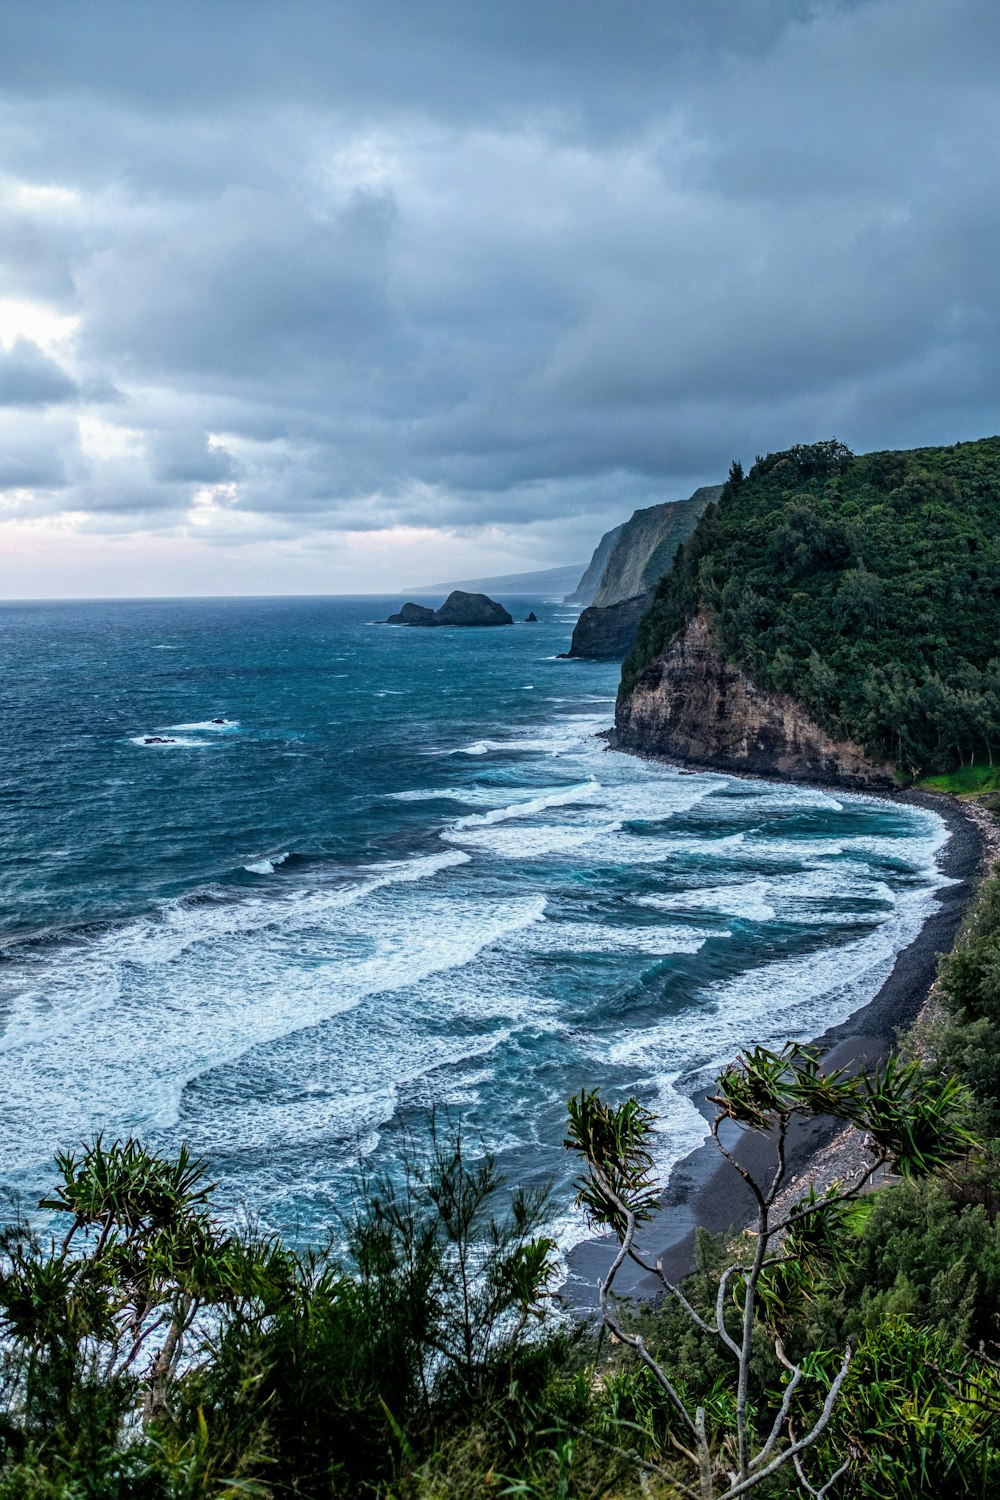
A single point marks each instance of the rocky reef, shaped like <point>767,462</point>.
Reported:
<point>691,706</point>
<point>458,609</point>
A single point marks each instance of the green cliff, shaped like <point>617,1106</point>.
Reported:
<point>830,600</point>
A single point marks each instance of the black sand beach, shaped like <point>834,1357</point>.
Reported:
<point>702,1189</point>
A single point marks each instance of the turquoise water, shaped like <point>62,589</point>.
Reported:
<point>402,871</point>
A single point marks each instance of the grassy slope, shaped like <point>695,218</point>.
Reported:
<point>967,781</point>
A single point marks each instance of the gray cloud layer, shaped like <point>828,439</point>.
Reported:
<point>501,268</point>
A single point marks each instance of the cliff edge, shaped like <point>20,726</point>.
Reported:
<point>690,705</point>
<point>645,545</point>
<point>594,572</point>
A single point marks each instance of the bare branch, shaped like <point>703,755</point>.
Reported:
<point>779,1175</point>
<point>720,1306</point>
<point>786,1402</point>
<point>810,1488</point>
<point>846,1196</point>
<point>634,1341</point>
<point>805,1442</point>
<point>679,1296</point>
<point>632,1457</point>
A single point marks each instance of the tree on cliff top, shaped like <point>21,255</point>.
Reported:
<point>886,568</point>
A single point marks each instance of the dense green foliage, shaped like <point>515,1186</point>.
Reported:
<point>152,1352</point>
<point>868,588</point>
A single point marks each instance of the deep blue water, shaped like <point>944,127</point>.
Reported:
<point>402,872</point>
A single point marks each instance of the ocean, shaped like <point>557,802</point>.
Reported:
<point>375,870</point>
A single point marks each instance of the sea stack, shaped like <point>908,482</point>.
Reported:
<point>458,609</point>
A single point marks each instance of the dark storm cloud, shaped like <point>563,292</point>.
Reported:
<point>353,266</point>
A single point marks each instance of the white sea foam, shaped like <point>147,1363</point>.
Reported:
<point>529,843</point>
<point>747,900</point>
<point>142,1043</point>
<point>570,733</point>
<point>284,1024</point>
<point>558,797</point>
<point>266,866</point>
<point>787,999</point>
<point>207,726</point>
<point>593,937</point>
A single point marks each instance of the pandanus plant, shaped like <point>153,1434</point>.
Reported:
<point>910,1126</point>
<point>142,1257</point>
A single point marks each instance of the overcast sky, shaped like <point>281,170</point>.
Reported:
<point>339,295</point>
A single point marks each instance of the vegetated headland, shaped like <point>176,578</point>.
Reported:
<point>831,619</point>
<point>832,1326</point>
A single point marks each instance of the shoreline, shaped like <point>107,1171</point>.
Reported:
<point>702,1190</point>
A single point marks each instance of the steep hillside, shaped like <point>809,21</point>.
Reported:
<point>646,543</point>
<point>641,551</point>
<point>591,580</point>
<point>861,596</point>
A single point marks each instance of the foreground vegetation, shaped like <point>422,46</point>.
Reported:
<point>867,588</point>
<point>847,1345</point>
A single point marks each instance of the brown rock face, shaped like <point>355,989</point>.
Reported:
<point>690,705</point>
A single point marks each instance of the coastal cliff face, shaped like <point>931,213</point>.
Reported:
<point>691,706</point>
<point>645,546</point>
<point>607,634</point>
<point>624,571</point>
<point>591,580</point>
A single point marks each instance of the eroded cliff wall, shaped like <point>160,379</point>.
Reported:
<point>646,544</point>
<point>591,580</point>
<point>691,706</point>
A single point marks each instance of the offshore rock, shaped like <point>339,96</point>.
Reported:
<point>458,609</point>
<point>690,705</point>
<point>607,634</point>
<point>472,609</point>
<point>413,614</point>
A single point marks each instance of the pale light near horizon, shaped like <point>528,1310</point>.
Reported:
<point>396,297</point>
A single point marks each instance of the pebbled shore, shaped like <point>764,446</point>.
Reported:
<point>702,1189</point>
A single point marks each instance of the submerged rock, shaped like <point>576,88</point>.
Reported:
<point>458,609</point>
